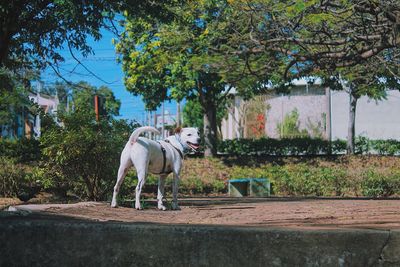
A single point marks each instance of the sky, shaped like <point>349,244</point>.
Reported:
<point>109,73</point>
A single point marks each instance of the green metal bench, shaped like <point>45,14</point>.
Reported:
<point>253,187</point>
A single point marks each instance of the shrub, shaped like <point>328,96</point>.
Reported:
<point>83,156</point>
<point>21,150</point>
<point>11,177</point>
<point>16,180</point>
<point>269,146</point>
<point>304,180</point>
<point>305,146</point>
<point>362,145</point>
<point>300,180</point>
<point>375,184</point>
<point>192,185</point>
<point>290,127</point>
<point>386,147</point>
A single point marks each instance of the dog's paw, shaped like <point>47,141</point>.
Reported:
<point>114,204</point>
<point>162,207</point>
<point>175,207</point>
<point>138,207</point>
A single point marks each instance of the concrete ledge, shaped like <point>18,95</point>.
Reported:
<point>44,240</point>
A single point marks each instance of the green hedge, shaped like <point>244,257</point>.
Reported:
<point>305,146</point>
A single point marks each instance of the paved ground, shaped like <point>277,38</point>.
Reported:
<point>291,213</point>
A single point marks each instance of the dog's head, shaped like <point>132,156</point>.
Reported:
<point>189,137</point>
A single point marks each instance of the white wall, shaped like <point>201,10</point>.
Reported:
<point>376,120</point>
<point>309,107</point>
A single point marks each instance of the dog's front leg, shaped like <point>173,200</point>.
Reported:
<point>160,194</point>
<point>175,185</point>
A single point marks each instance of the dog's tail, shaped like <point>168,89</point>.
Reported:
<point>140,130</point>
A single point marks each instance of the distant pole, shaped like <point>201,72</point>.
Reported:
<point>96,107</point>
<point>178,114</point>
<point>149,121</point>
<point>282,116</point>
<point>155,122</point>
<point>329,119</point>
<point>163,120</point>
<point>37,123</point>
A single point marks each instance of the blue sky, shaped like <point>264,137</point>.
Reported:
<point>103,64</point>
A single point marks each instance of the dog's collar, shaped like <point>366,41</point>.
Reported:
<point>177,149</point>
<point>185,147</point>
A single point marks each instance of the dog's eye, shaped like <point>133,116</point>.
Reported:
<point>189,134</point>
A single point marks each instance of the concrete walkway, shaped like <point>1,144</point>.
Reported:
<point>62,235</point>
<point>289,213</point>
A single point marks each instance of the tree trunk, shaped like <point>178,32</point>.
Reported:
<point>352,123</point>
<point>210,130</point>
<point>207,101</point>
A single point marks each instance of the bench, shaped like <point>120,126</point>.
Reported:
<point>253,187</point>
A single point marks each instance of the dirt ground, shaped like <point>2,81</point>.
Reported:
<point>266,212</point>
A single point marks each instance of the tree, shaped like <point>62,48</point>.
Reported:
<point>316,34</point>
<point>175,60</point>
<point>353,41</point>
<point>80,97</point>
<point>33,32</point>
<point>83,99</point>
<point>13,103</point>
<point>193,115</point>
<point>371,79</point>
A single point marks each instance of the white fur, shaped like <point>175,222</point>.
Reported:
<point>146,156</point>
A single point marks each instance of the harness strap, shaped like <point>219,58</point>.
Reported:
<point>180,152</point>
<point>164,159</point>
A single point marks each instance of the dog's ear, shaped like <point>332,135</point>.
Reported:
<point>178,130</point>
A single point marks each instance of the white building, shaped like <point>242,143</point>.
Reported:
<point>28,124</point>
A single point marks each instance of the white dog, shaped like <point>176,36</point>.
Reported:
<point>162,157</point>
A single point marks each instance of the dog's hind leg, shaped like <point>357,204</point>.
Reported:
<point>160,194</point>
<point>122,171</point>
<point>141,180</point>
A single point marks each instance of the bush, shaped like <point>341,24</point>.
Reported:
<point>277,147</point>
<point>192,185</point>
<point>386,147</point>
<point>16,180</point>
<point>11,177</point>
<point>305,146</point>
<point>83,156</point>
<point>307,181</point>
<point>21,150</point>
<point>379,185</point>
